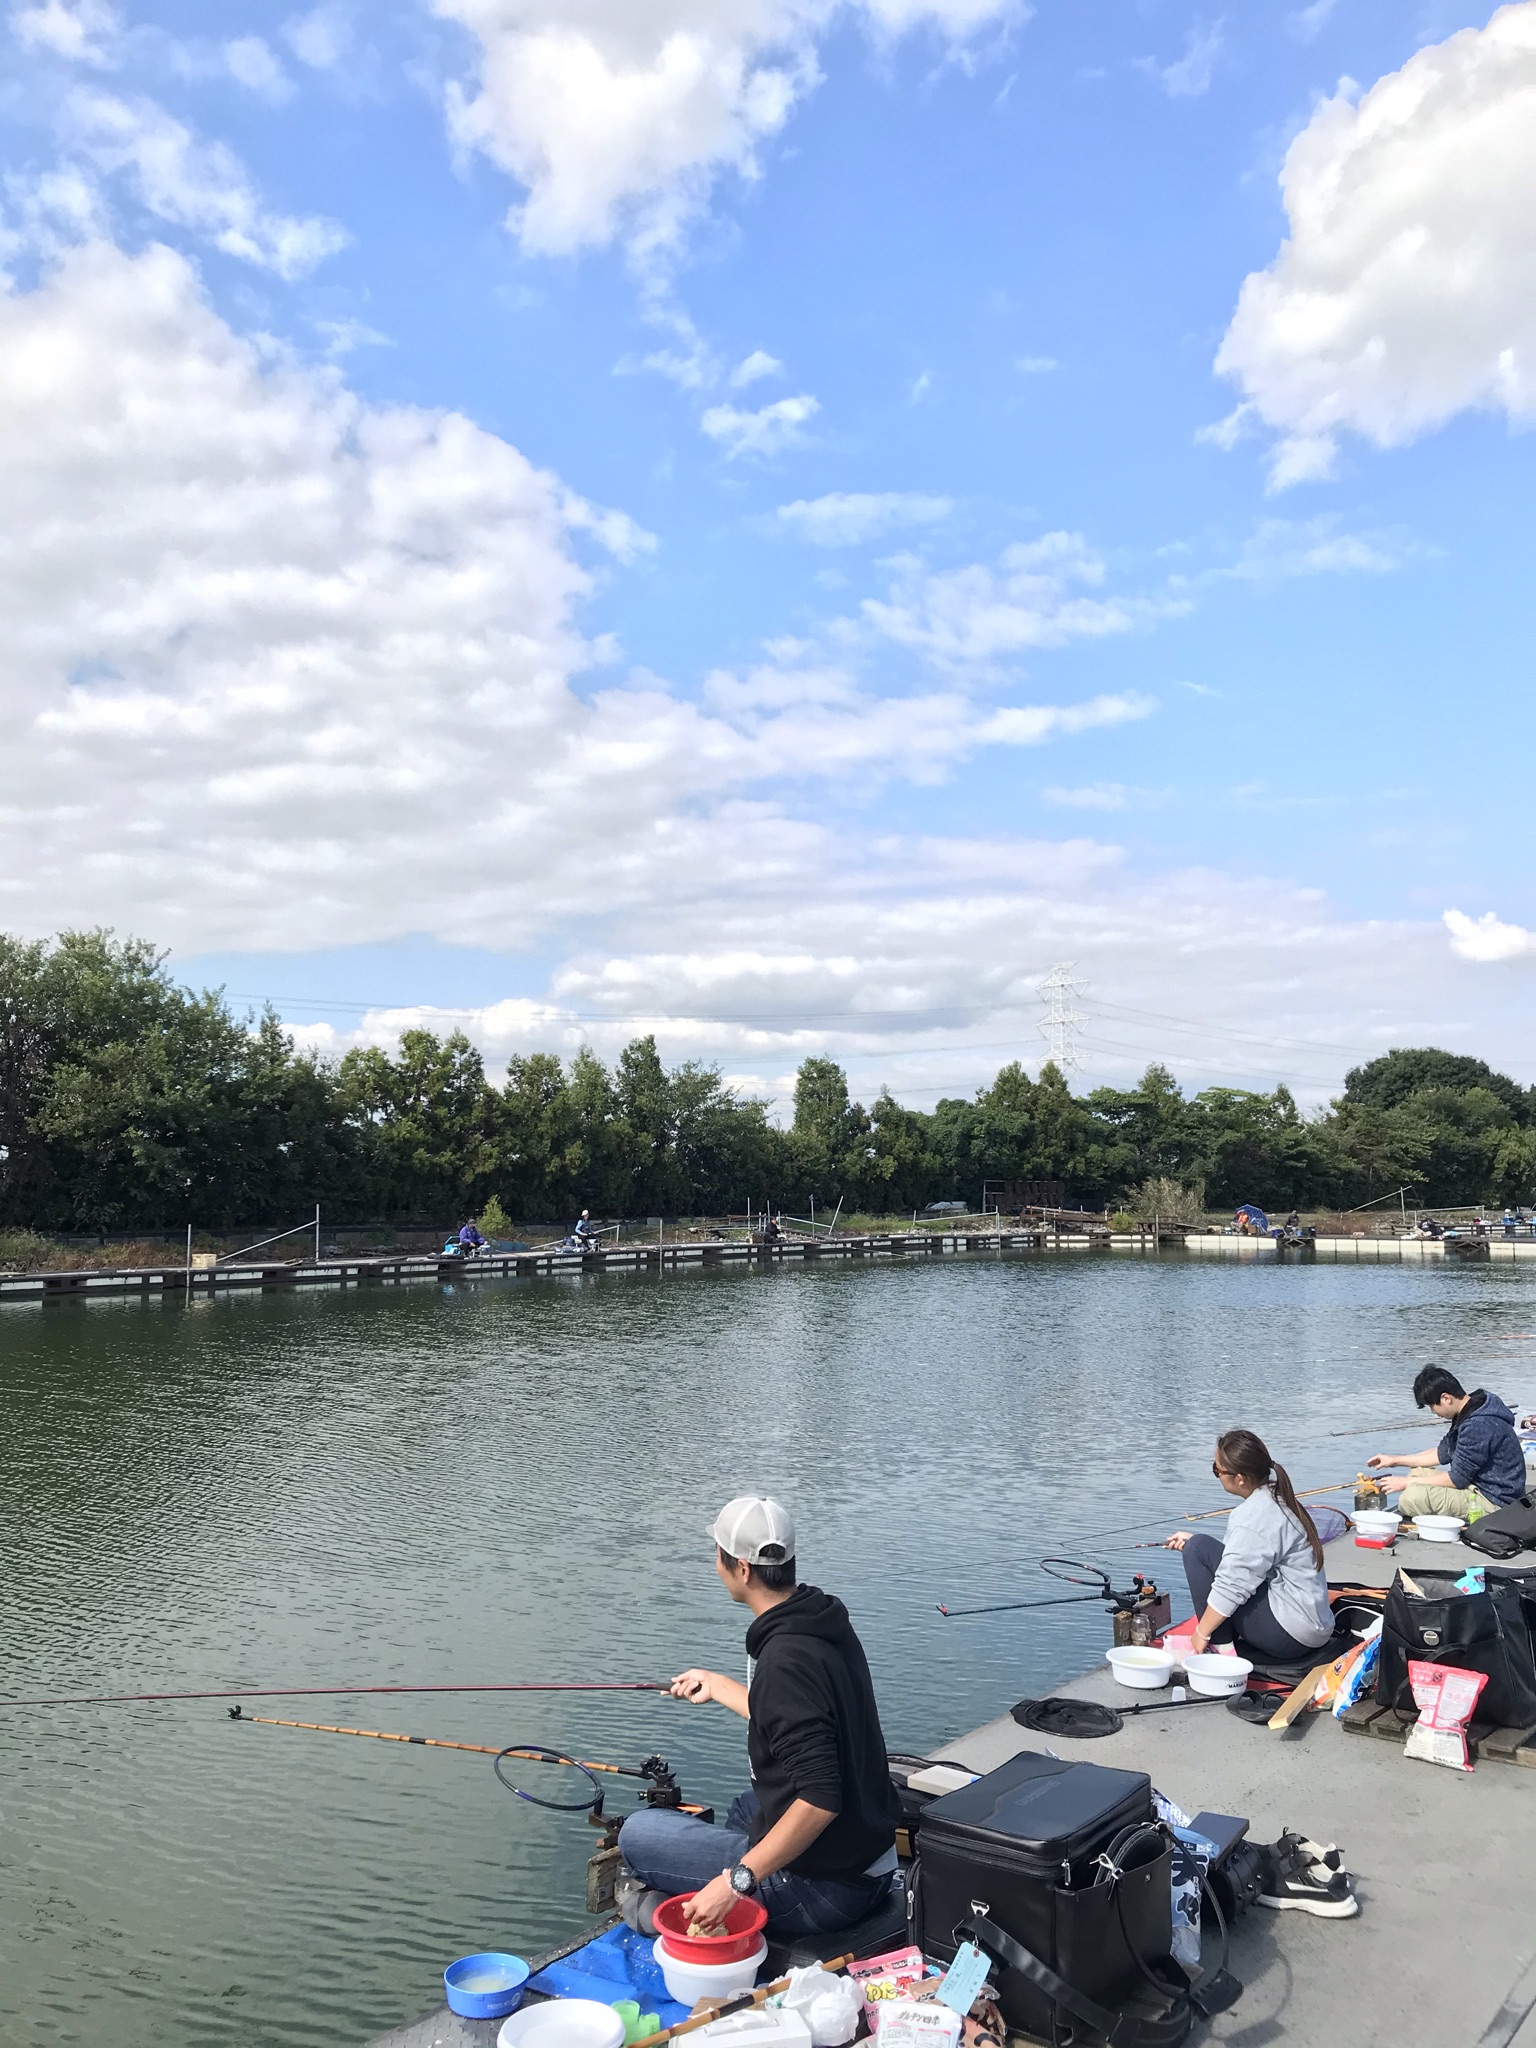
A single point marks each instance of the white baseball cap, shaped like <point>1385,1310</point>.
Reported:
<point>755,1530</point>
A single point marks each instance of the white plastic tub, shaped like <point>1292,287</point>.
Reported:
<point>1376,1521</point>
<point>1439,1528</point>
<point>1217,1677</point>
<point>1141,1668</point>
<point>563,2023</point>
<point>689,1982</point>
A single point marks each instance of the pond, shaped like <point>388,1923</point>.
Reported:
<point>512,1480</point>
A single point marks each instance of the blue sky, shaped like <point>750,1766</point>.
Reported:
<point>780,521</point>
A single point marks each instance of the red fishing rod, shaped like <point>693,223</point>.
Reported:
<point>300,1692</point>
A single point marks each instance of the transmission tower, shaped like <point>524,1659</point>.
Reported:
<point>1062,1022</point>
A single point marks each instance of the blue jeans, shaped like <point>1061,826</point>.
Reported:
<point>673,1852</point>
<point>1254,1626</point>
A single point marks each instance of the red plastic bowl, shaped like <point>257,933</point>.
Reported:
<point>743,1934</point>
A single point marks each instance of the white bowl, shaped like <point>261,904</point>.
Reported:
<point>1140,1667</point>
<point>1439,1528</point>
<point>563,2023</point>
<point>1376,1521</point>
<point>1218,1678</point>
<point>689,1982</point>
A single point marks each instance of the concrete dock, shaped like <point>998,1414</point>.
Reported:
<point>1443,1952</point>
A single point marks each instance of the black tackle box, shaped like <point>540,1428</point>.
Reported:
<point>1022,1845</point>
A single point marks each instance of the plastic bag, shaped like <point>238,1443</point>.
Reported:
<point>1191,1858</point>
<point>1446,1697</point>
<point>830,2006</point>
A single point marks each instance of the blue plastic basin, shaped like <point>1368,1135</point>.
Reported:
<point>485,1987</point>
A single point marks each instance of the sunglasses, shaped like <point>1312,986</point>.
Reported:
<point>1220,1472</point>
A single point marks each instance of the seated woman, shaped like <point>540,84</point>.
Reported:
<point>1264,1590</point>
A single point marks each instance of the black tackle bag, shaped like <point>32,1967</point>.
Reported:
<point>1488,1631</point>
<point>1503,1533</point>
<point>1059,1872</point>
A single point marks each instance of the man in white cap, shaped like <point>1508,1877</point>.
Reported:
<point>815,1838</point>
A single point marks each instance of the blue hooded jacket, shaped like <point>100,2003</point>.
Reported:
<point>1481,1449</point>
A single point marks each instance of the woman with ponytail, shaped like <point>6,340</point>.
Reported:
<point>1264,1590</point>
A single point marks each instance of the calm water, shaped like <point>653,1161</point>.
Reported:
<point>511,1481</point>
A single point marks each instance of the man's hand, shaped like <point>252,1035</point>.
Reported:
<point>1381,1459</point>
<point>709,1907</point>
<point>697,1686</point>
<point>1178,1539</point>
<point>1400,1483</point>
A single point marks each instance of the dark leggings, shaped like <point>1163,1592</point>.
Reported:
<point>1253,1627</point>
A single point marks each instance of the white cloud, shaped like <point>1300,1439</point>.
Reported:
<point>843,519</point>
<point>758,364</point>
<point>82,30</point>
<point>1094,796</point>
<point>194,184</point>
<point>617,116</point>
<point>252,64</point>
<point>1309,22</point>
<point>320,38</point>
<point>1406,291</point>
<point>768,431</point>
<point>1035,366</point>
<point>1189,76</point>
<point>971,617</point>
<point>1486,938</point>
<point>1281,548</point>
<point>283,668</point>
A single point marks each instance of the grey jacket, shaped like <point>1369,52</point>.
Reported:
<point>1266,1547</point>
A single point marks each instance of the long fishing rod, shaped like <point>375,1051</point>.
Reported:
<point>297,1692</point>
<point>1102,1592</point>
<point>661,1783</point>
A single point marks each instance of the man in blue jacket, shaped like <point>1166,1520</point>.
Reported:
<point>1480,1465</point>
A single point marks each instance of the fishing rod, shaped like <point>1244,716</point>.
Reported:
<point>297,1692</point>
<point>1103,1591</point>
<point>1215,1514</point>
<point>661,1784</point>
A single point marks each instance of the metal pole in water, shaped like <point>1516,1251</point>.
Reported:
<point>317,1233</point>
<point>189,1258</point>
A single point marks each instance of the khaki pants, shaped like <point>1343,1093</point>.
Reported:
<point>1420,1499</point>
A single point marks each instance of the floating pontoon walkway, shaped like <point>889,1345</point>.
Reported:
<point>636,1256</point>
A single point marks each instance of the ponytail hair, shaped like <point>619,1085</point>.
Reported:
<point>1248,1455</point>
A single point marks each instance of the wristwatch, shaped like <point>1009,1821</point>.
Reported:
<point>743,1883</point>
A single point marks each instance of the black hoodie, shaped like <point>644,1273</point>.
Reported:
<point>814,1733</point>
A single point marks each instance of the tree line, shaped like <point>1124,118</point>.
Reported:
<point>128,1102</point>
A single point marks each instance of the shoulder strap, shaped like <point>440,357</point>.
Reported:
<point>1120,2029</point>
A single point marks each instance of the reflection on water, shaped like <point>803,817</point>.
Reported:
<point>512,1480</point>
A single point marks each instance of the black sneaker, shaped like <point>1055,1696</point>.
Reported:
<point>1297,1883</point>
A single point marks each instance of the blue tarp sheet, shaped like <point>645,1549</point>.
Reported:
<point>618,1964</point>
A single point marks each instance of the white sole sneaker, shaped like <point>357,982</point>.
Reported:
<point>1316,1903</point>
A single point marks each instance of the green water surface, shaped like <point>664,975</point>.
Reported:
<point>506,1480</point>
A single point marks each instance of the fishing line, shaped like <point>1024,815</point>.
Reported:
<point>298,1692</point>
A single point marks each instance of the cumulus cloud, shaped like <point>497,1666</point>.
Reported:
<point>84,31</point>
<point>1034,598</point>
<point>283,668</point>
<point>198,185</point>
<point>768,431</point>
<point>252,64</point>
<point>1189,76</point>
<point>1281,548</point>
<point>843,519</point>
<point>616,116</point>
<point>1406,290</point>
<point>1487,938</point>
<point>320,38</point>
<point>758,364</point>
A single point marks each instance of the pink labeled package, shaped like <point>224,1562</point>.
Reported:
<point>883,1979</point>
<point>1446,1699</point>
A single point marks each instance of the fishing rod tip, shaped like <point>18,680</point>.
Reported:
<point>234,1714</point>
<point>943,1609</point>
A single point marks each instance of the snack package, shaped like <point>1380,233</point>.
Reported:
<point>1360,1678</point>
<point>919,2023</point>
<point>884,1978</point>
<point>1446,1699</point>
